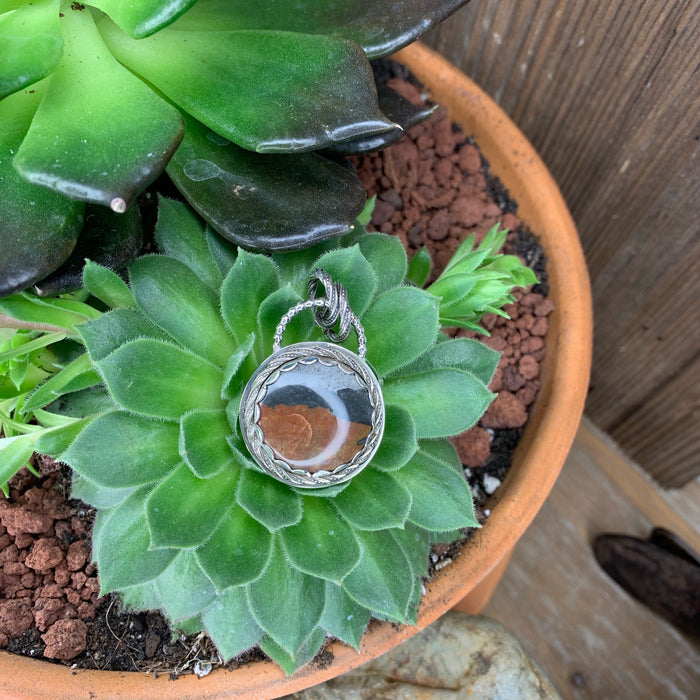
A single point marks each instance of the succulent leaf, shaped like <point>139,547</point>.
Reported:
<point>203,443</point>
<point>38,228</point>
<point>359,506</point>
<point>387,257</point>
<point>274,601</point>
<point>237,552</point>
<point>395,339</point>
<point>139,375</point>
<point>270,502</point>
<point>66,152</point>
<point>31,44</point>
<point>443,401</point>
<point>107,286</point>
<point>342,617</point>
<point>184,588</point>
<point>230,624</point>
<point>143,18</point>
<point>279,202</point>
<point>98,496</point>
<point>368,24</point>
<point>301,104</point>
<point>321,543</point>
<point>399,443</point>
<point>131,558</point>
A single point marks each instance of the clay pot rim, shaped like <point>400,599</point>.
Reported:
<point>538,460</point>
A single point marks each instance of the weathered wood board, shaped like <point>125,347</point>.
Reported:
<point>591,638</point>
<point>608,91</point>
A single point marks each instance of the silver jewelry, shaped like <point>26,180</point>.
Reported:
<point>312,414</point>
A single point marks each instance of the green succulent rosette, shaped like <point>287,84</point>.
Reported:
<point>187,522</point>
<point>234,97</point>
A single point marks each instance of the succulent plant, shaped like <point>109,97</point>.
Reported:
<point>233,97</point>
<point>186,521</point>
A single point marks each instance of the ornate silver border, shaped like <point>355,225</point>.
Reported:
<point>255,391</point>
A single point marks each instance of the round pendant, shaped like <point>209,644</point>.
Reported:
<point>312,414</point>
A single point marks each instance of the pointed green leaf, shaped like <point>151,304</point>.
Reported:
<point>56,440</point>
<point>374,500</point>
<point>60,313</point>
<point>383,579</point>
<point>400,325</point>
<point>107,286</point>
<point>180,234</point>
<point>343,617</point>
<point>143,596</point>
<point>269,315</point>
<point>444,451</point>
<point>100,159</point>
<point>184,511</point>
<point>239,368</point>
<point>157,379</point>
<point>419,267</point>
<point>321,543</point>
<point>286,603</point>
<point>184,588</point>
<point>442,401</point>
<point>203,443</point>
<point>143,18</point>
<point>222,251</point>
<point>141,450</point>
<point>364,22</point>
<point>441,496</point>
<point>114,329</point>
<point>304,654</point>
<point>299,105</point>
<point>237,552</point>
<point>77,375</point>
<point>350,268</point>
<point>269,501</point>
<point>399,442</point>
<point>15,452</point>
<point>461,353</point>
<point>230,624</point>
<point>160,284</point>
<point>38,228</point>
<point>31,44</point>
<point>250,281</point>
<point>305,198</point>
<point>387,257</point>
<point>97,496</point>
<point>415,543</point>
<point>122,546</point>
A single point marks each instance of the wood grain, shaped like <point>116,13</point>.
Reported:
<point>608,91</point>
<point>591,638</point>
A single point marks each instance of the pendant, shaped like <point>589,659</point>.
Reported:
<point>312,414</point>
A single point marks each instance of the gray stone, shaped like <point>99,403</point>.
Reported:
<point>458,657</point>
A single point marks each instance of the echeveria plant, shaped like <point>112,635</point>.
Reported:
<point>97,99</point>
<point>186,522</point>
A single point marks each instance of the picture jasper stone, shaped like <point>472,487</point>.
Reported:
<point>312,414</point>
<point>315,414</point>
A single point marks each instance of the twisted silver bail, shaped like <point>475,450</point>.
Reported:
<point>336,309</point>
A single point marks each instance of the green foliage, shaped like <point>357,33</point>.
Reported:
<point>478,281</point>
<point>222,92</point>
<point>186,521</point>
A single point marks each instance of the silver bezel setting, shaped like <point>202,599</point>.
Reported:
<point>329,354</point>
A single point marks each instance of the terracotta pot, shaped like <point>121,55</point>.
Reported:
<point>538,460</point>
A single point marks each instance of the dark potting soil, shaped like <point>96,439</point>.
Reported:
<point>433,188</point>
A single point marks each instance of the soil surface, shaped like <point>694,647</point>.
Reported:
<point>433,188</point>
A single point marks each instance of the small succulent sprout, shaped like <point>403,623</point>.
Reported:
<point>478,281</point>
<point>246,85</point>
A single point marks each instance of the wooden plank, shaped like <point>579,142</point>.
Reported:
<point>608,93</point>
<point>591,638</point>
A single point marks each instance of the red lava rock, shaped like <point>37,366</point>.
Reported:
<point>528,367</point>
<point>44,555</point>
<point>65,639</point>
<point>512,379</point>
<point>544,307</point>
<point>468,211</point>
<point>469,159</point>
<point>406,89</point>
<point>473,447</point>
<point>48,610</point>
<point>505,412</point>
<point>383,211</point>
<point>15,617</point>
<point>77,555</point>
<point>439,226</point>
<point>18,519</point>
<point>526,395</point>
<point>15,568</point>
<point>496,383</point>
<point>540,326</point>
